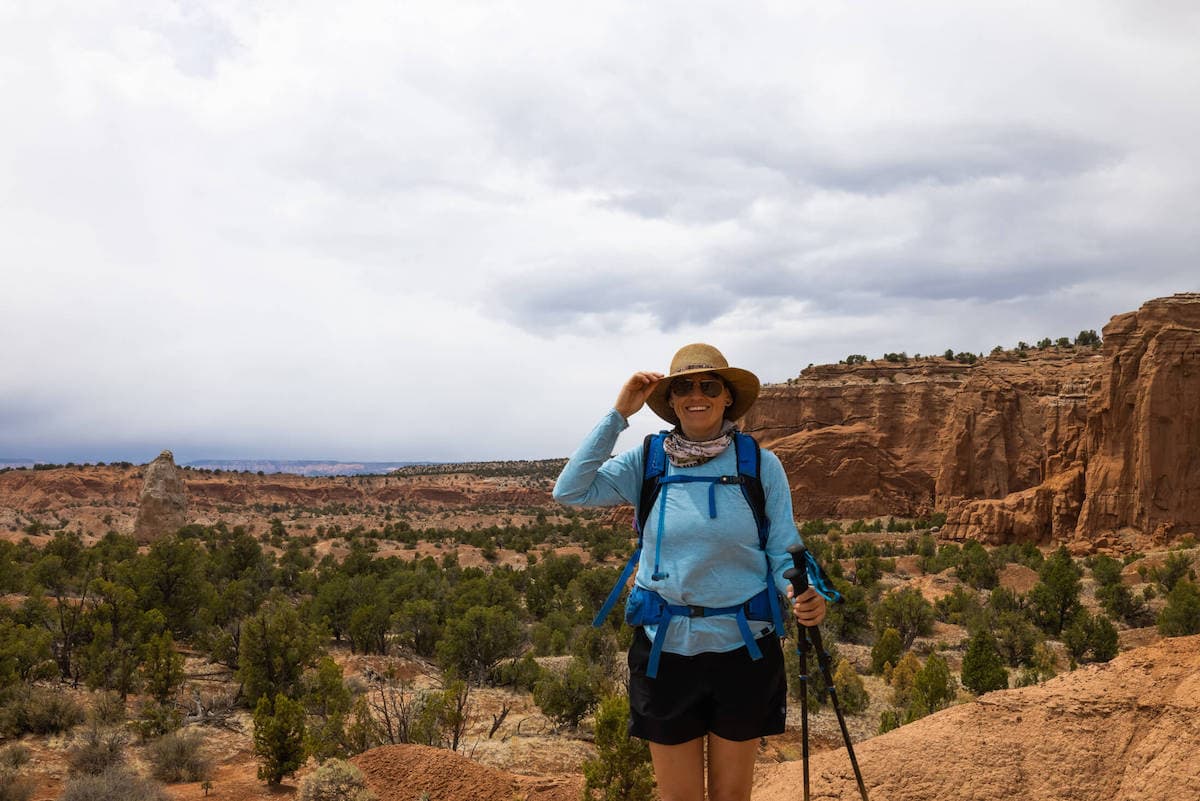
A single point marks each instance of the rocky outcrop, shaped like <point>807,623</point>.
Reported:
<point>930,435</point>
<point>1143,431</point>
<point>1121,730</point>
<point>162,506</point>
<point>1096,448</point>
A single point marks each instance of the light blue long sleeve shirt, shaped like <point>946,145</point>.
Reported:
<point>700,561</point>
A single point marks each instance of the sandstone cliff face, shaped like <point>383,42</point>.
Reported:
<point>1095,448</point>
<point>162,506</point>
<point>1143,431</point>
<point>912,439</point>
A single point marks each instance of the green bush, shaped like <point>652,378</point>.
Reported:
<point>933,684</point>
<point>1092,637</point>
<point>521,674</point>
<point>569,697</point>
<point>852,695</point>
<point>278,737</point>
<point>887,651</point>
<point>335,780</point>
<point>907,612</point>
<point>1178,566</point>
<point>38,710</point>
<point>982,670</point>
<point>180,757</point>
<point>621,769</point>
<point>1181,615</point>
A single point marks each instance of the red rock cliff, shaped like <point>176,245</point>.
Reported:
<point>1096,447</point>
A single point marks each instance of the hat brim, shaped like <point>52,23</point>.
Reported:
<point>745,392</point>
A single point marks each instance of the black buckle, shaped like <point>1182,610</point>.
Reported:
<point>730,480</point>
<point>696,611</point>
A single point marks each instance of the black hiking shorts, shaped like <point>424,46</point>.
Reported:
<point>728,694</point>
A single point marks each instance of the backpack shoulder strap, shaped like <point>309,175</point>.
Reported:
<point>749,462</point>
<point>654,457</point>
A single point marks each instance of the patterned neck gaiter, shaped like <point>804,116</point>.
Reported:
<point>684,452</point>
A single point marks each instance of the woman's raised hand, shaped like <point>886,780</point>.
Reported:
<point>633,394</point>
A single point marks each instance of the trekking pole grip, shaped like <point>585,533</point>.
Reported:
<point>798,572</point>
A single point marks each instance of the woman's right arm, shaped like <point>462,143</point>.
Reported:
<point>591,477</point>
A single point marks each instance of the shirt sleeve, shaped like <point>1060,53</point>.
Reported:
<point>783,533</point>
<point>593,477</point>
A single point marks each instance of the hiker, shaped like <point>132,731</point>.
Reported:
<point>706,666</point>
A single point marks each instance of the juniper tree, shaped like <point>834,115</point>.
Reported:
<point>982,670</point>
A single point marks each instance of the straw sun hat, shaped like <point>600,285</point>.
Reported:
<point>701,358</point>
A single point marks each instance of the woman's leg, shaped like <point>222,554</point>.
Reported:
<point>730,768</point>
<point>679,770</point>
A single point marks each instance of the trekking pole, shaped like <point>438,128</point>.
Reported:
<point>798,575</point>
<point>802,652</point>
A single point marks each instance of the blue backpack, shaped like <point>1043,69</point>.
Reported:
<point>646,607</point>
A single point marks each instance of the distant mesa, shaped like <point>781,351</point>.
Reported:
<point>302,467</point>
<point>162,505</point>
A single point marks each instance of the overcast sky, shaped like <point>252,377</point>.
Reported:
<point>407,230</point>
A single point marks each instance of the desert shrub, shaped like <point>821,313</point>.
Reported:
<point>904,675</point>
<point>1043,665</point>
<point>570,696</point>
<point>155,719</point>
<point>907,612</point>
<point>887,650</point>
<point>976,567</point>
<point>852,695</point>
<point>961,607</point>
<point>107,709</point>
<point>522,674</point>
<point>1181,615</point>
<point>97,750</point>
<point>38,710</point>
<point>1105,569</point>
<point>335,780</point>
<point>14,756</point>
<point>14,786</point>
<point>621,770</point>
<point>850,620</point>
<point>180,757</point>
<point>1120,602</point>
<point>363,732</point>
<point>1091,637</point>
<point>933,684</point>
<point>982,669</point>
<point>114,784</point>
<point>1177,566</point>
<point>888,719</point>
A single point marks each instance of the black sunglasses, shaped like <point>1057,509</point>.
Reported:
<point>710,387</point>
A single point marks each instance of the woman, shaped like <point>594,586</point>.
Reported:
<point>701,554</point>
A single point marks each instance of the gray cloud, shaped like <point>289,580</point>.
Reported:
<point>268,230</point>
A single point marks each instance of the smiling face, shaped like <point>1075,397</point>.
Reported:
<point>700,416</point>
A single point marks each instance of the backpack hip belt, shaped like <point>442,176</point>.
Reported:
<point>647,607</point>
